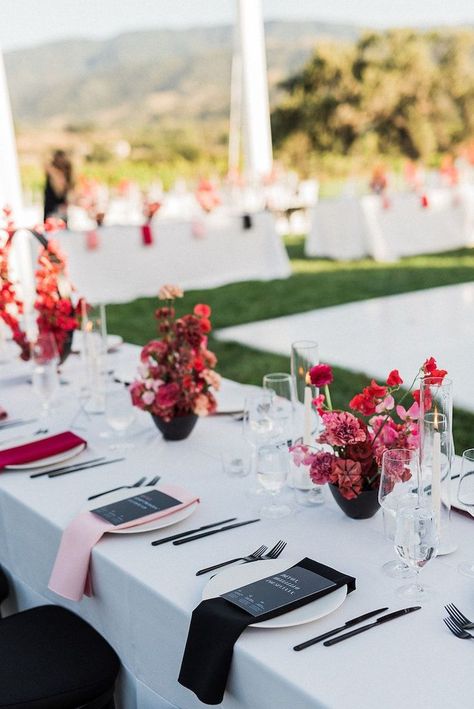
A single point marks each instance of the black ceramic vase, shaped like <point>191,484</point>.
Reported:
<point>364,506</point>
<point>178,428</point>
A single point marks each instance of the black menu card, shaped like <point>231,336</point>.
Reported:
<point>147,503</point>
<point>273,592</point>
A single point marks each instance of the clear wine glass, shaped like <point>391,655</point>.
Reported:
<point>45,358</point>
<point>258,427</point>
<point>119,414</point>
<point>399,481</point>
<point>272,472</point>
<point>416,542</point>
<point>466,498</point>
<point>283,405</point>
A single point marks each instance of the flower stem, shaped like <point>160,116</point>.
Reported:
<point>328,396</point>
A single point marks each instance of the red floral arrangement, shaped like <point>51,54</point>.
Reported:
<point>56,312</point>
<point>176,373</point>
<point>356,440</point>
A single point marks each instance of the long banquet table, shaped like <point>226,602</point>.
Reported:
<point>122,268</point>
<point>144,595</point>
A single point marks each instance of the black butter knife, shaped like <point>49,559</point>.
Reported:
<point>157,542</point>
<point>330,633</point>
<point>214,531</point>
<point>379,621</point>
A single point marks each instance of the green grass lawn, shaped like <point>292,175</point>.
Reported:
<point>315,283</point>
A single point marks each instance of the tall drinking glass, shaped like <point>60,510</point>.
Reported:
<point>283,405</point>
<point>416,542</point>
<point>45,357</point>
<point>94,357</point>
<point>399,484</point>
<point>437,452</point>
<point>258,426</point>
<point>119,413</point>
<point>304,355</point>
<point>466,498</point>
<point>272,471</point>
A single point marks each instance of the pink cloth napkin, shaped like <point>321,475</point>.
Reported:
<point>71,576</point>
<point>92,240</point>
<point>37,450</point>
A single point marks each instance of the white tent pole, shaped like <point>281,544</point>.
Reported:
<point>10,188</point>
<point>235,108</point>
<point>256,118</point>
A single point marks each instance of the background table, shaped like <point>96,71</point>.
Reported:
<point>145,595</point>
<point>121,268</point>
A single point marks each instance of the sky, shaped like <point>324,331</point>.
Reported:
<point>29,22</point>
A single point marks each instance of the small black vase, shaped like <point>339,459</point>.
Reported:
<point>178,428</point>
<point>364,506</point>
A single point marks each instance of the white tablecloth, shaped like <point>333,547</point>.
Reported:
<point>352,227</point>
<point>145,595</point>
<point>122,268</point>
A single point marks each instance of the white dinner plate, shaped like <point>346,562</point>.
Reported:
<point>165,521</point>
<point>51,460</point>
<point>241,575</point>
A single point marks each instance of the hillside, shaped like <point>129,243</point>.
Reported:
<point>150,76</point>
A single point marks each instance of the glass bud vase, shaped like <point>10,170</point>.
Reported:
<point>437,454</point>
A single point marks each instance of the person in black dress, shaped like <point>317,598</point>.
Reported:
<point>59,182</point>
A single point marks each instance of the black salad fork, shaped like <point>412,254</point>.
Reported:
<point>457,631</point>
<point>254,556</point>
<point>458,617</point>
<point>273,553</point>
<point>139,483</point>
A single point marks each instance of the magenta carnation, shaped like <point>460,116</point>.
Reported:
<point>342,428</point>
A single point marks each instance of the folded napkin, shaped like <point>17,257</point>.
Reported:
<point>216,625</point>
<point>71,577</point>
<point>147,235</point>
<point>37,450</point>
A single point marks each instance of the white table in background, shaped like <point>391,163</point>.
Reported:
<point>145,595</point>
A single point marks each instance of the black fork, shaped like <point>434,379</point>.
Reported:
<point>457,631</point>
<point>458,617</point>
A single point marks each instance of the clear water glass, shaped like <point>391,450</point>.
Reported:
<point>307,493</point>
<point>416,542</point>
<point>272,472</point>
<point>466,498</point>
<point>283,405</point>
<point>237,460</point>
<point>119,414</point>
<point>45,358</point>
<point>399,484</point>
<point>258,428</point>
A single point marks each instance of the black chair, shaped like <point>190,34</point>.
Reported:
<point>52,659</point>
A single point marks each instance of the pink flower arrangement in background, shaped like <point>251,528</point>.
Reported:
<point>176,373</point>
<point>356,440</point>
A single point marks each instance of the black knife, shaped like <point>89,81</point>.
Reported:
<point>214,531</point>
<point>84,467</point>
<point>66,467</point>
<point>191,531</point>
<point>347,624</point>
<point>379,621</point>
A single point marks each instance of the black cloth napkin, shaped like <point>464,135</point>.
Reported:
<point>216,625</point>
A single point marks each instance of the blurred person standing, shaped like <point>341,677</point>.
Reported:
<point>58,185</point>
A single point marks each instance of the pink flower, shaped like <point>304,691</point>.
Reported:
<point>412,413</point>
<point>148,397</point>
<point>321,375</point>
<point>318,403</point>
<point>170,292</point>
<point>386,405</point>
<point>342,428</point>
<point>202,310</point>
<point>321,467</point>
<point>212,378</point>
<point>167,395</point>
<point>349,477</point>
<point>201,405</point>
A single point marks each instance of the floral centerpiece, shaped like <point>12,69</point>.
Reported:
<point>56,312</point>
<point>353,442</point>
<point>176,373</point>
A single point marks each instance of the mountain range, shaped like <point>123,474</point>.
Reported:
<point>148,76</point>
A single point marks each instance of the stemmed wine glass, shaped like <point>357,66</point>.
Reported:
<point>45,357</point>
<point>398,487</point>
<point>466,498</point>
<point>258,425</point>
<point>272,472</point>
<point>416,542</point>
<point>283,387</point>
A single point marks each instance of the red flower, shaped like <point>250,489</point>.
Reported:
<point>202,310</point>
<point>394,379</point>
<point>429,365</point>
<point>205,325</point>
<point>363,404</point>
<point>349,477</point>
<point>321,375</point>
<point>375,390</point>
<point>318,402</point>
<point>167,395</point>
